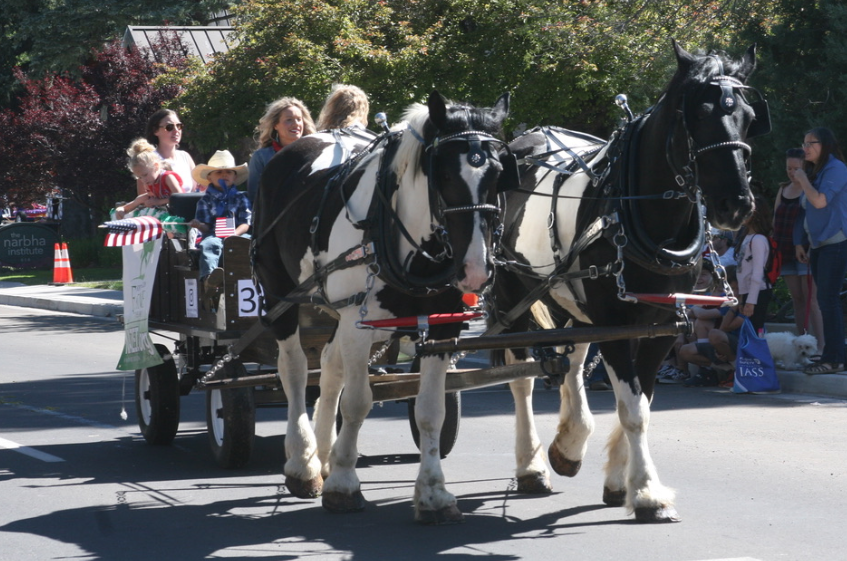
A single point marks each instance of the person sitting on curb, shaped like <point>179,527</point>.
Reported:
<point>222,211</point>
<point>718,352</point>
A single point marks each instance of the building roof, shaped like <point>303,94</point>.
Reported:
<point>202,41</point>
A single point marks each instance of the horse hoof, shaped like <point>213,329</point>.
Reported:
<point>335,501</point>
<point>447,515</point>
<point>561,464</point>
<point>614,498</point>
<point>656,514</point>
<point>534,484</point>
<point>301,489</point>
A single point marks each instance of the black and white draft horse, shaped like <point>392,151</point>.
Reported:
<point>628,220</point>
<point>405,233</point>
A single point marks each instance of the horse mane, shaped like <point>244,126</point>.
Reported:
<point>415,117</point>
<point>704,68</point>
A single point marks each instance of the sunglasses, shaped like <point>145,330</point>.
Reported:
<point>171,126</point>
<point>809,144</point>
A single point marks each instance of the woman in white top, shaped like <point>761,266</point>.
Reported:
<point>164,131</point>
<point>752,257</point>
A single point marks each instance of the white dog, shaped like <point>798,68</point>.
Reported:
<point>791,351</point>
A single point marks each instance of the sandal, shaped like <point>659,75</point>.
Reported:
<point>823,368</point>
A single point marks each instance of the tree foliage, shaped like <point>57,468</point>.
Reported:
<point>564,61</point>
<point>803,62</point>
<point>57,35</point>
<point>72,133</point>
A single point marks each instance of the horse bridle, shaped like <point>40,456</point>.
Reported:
<point>476,157</point>
<point>686,177</point>
<point>382,217</point>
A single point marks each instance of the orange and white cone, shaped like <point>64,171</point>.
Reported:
<point>62,273</point>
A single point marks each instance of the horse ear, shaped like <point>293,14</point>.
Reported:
<point>748,63</point>
<point>501,108</point>
<point>437,110</point>
<point>683,58</point>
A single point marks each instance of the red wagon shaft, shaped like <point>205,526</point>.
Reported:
<point>554,337</point>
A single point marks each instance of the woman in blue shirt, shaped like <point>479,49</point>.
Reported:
<point>824,183</point>
<point>285,120</point>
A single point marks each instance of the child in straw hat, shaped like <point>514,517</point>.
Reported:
<point>220,201</point>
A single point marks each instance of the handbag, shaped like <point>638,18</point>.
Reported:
<point>754,367</point>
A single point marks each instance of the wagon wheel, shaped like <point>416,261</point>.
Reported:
<point>450,428</point>
<point>231,421</point>
<point>157,399</point>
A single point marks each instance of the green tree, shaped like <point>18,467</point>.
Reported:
<point>58,35</point>
<point>564,61</point>
<point>803,61</point>
<point>72,133</point>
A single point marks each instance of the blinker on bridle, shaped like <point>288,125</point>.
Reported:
<point>476,157</point>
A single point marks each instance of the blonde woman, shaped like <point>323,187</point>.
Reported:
<point>285,120</point>
<point>346,106</point>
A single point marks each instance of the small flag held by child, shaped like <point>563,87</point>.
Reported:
<point>224,227</point>
<point>131,231</point>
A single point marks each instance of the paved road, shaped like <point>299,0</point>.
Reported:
<point>759,477</point>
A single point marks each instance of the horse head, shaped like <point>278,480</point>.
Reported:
<point>462,169</point>
<point>719,112</point>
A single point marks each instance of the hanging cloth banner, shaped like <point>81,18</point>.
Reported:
<point>140,261</point>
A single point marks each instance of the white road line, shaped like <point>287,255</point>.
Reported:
<point>27,451</point>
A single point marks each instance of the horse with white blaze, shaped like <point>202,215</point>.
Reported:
<point>403,229</point>
<point>614,220</point>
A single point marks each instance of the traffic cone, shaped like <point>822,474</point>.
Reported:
<point>61,265</point>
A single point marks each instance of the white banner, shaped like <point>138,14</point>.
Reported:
<point>139,271</point>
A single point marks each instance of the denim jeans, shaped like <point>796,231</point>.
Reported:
<point>211,248</point>
<point>829,265</point>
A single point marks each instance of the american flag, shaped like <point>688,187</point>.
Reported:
<point>131,231</point>
<point>224,227</point>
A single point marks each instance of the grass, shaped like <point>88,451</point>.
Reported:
<point>92,277</point>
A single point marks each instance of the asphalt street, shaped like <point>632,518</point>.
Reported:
<point>757,477</point>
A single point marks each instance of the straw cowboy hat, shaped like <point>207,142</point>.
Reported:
<point>220,161</point>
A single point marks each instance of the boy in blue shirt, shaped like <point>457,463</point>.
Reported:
<point>223,211</point>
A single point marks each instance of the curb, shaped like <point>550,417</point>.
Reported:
<point>83,301</point>
<point>833,385</point>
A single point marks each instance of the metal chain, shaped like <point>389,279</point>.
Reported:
<point>456,358</point>
<point>587,370</point>
<point>378,354</point>
<point>620,240</point>
<point>719,268</point>
<point>228,357</point>
<point>373,271</point>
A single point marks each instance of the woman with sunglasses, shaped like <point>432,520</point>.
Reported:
<point>824,184</point>
<point>164,131</point>
<point>285,120</point>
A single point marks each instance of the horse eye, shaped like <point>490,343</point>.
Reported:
<point>705,110</point>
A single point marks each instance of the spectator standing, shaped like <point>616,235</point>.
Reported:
<point>787,209</point>
<point>753,287</point>
<point>824,182</point>
<point>285,120</point>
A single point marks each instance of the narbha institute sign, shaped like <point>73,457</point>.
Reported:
<point>27,245</point>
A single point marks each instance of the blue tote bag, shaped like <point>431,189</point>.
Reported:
<point>754,367</point>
